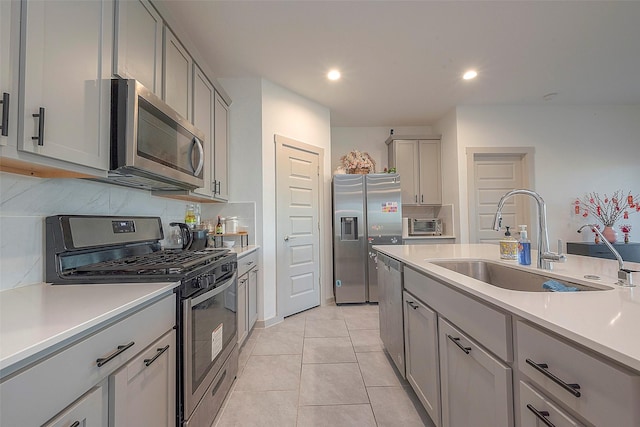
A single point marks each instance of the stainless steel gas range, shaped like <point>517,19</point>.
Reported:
<point>119,249</point>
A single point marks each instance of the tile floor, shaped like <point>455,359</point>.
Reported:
<point>322,367</point>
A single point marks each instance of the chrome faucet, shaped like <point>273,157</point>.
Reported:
<point>545,257</point>
<point>624,275</point>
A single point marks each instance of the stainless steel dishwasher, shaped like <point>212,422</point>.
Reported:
<point>390,305</point>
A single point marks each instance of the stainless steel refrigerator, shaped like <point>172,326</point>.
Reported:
<point>367,211</point>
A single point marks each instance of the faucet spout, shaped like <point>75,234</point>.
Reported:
<point>545,257</point>
<point>606,242</point>
<point>624,275</point>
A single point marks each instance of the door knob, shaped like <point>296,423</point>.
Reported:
<point>286,238</point>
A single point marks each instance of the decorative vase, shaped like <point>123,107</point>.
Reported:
<point>361,171</point>
<point>610,234</point>
<point>626,237</point>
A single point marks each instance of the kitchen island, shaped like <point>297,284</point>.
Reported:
<point>585,338</point>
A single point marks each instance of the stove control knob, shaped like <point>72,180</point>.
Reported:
<point>200,282</point>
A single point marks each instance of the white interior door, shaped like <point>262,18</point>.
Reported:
<point>297,234</point>
<point>495,174</point>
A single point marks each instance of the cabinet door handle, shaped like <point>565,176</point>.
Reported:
<point>121,349</point>
<point>40,137</point>
<point>219,186</point>
<point>75,424</point>
<point>543,369</point>
<point>148,362</point>
<point>456,341</point>
<point>416,198</point>
<point>4,126</point>
<point>542,415</point>
<point>422,198</point>
<point>412,304</point>
<point>249,263</point>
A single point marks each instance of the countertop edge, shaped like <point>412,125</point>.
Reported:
<point>244,251</point>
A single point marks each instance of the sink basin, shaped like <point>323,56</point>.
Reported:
<point>506,277</point>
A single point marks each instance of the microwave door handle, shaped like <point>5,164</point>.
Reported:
<point>197,169</point>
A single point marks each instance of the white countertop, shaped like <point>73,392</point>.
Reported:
<point>242,251</point>
<point>37,319</point>
<point>608,322</point>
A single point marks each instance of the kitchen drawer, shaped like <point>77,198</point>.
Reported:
<point>534,408</point>
<point>247,262</point>
<point>608,395</point>
<point>485,324</point>
<point>61,378</point>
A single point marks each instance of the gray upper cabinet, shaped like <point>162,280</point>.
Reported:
<point>9,49</point>
<point>138,44</point>
<point>418,163</point>
<point>204,96</point>
<point>221,147</point>
<point>178,75</point>
<point>67,51</point>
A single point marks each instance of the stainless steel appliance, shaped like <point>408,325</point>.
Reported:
<point>367,211</point>
<point>118,249</point>
<point>425,227</point>
<point>391,309</point>
<point>152,146</point>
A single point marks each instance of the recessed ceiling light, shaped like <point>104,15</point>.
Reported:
<point>333,75</point>
<point>471,74</point>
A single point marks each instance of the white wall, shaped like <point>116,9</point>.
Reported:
<point>448,128</point>
<point>261,109</point>
<point>370,140</point>
<point>577,150</point>
<point>293,116</point>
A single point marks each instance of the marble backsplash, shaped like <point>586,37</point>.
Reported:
<point>26,201</point>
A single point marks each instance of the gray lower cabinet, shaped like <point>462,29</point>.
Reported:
<point>100,374</point>
<point>252,297</point>
<point>421,350</point>
<point>476,387</point>
<point>89,410</point>
<point>143,391</point>
<point>243,324</point>
<point>247,294</point>
<point>537,410</point>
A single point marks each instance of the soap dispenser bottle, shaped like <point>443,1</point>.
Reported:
<point>508,246</point>
<point>524,247</point>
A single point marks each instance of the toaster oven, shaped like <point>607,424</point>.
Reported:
<point>425,227</point>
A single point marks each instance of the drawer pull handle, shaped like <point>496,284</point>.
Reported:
<point>75,424</point>
<point>412,304</point>
<point>456,341</point>
<point>148,362</point>
<point>40,116</point>
<point>121,349</point>
<point>543,369</point>
<point>4,126</point>
<point>542,415</point>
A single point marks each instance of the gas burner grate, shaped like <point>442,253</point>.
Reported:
<point>160,262</point>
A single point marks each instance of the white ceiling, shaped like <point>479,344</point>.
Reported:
<point>402,62</point>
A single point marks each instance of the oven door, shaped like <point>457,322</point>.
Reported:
<point>210,333</point>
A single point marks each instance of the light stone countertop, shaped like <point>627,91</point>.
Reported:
<point>38,319</point>
<point>608,322</point>
<point>243,251</point>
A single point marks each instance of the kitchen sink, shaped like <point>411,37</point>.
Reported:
<point>506,277</point>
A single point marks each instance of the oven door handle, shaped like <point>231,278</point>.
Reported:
<point>197,300</point>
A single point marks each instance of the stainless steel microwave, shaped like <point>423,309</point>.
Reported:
<point>425,227</point>
<point>152,146</point>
